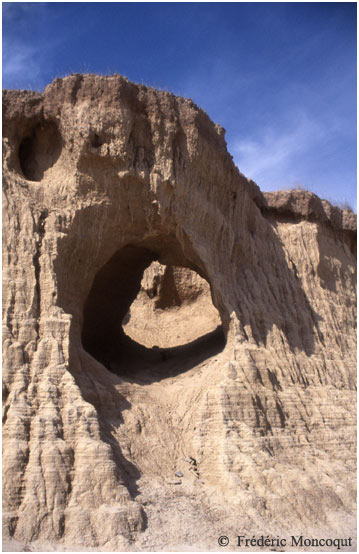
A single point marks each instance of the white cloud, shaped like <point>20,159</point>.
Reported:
<point>25,59</point>
<point>271,157</point>
<point>21,64</point>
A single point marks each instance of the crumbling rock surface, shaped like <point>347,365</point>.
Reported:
<point>102,178</point>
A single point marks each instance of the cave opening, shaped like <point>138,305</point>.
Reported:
<point>145,316</point>
<point>39,150</point>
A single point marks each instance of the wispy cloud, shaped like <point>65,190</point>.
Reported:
<point>26,56</point>
<point>273,156</point>
<point>21,64</point>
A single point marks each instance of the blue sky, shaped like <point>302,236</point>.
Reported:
<point>279,77</point>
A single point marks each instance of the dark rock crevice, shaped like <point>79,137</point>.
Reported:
<point>37,266</point>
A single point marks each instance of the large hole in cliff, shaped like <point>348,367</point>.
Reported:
<point>142,316</point>
<point>39,150</point>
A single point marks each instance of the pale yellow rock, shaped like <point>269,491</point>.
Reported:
<point>103,178</point>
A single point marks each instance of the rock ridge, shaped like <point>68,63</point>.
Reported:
<point>307,205</point>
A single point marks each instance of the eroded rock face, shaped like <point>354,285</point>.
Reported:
<point>103,177</point>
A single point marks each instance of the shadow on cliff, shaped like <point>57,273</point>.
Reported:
<point>138,364</point>
<point>279,299</point>
<point>334,259</point>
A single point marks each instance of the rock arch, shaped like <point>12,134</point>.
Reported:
<point>114,289</point>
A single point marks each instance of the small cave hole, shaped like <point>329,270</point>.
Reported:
<point>148,321</point>
<point>96,142</point>
<point>39,150</point>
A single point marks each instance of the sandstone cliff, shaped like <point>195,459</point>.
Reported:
<point>102,178</point>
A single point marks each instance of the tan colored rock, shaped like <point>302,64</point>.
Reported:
<point>103,177</point>
<point>173,308</point>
